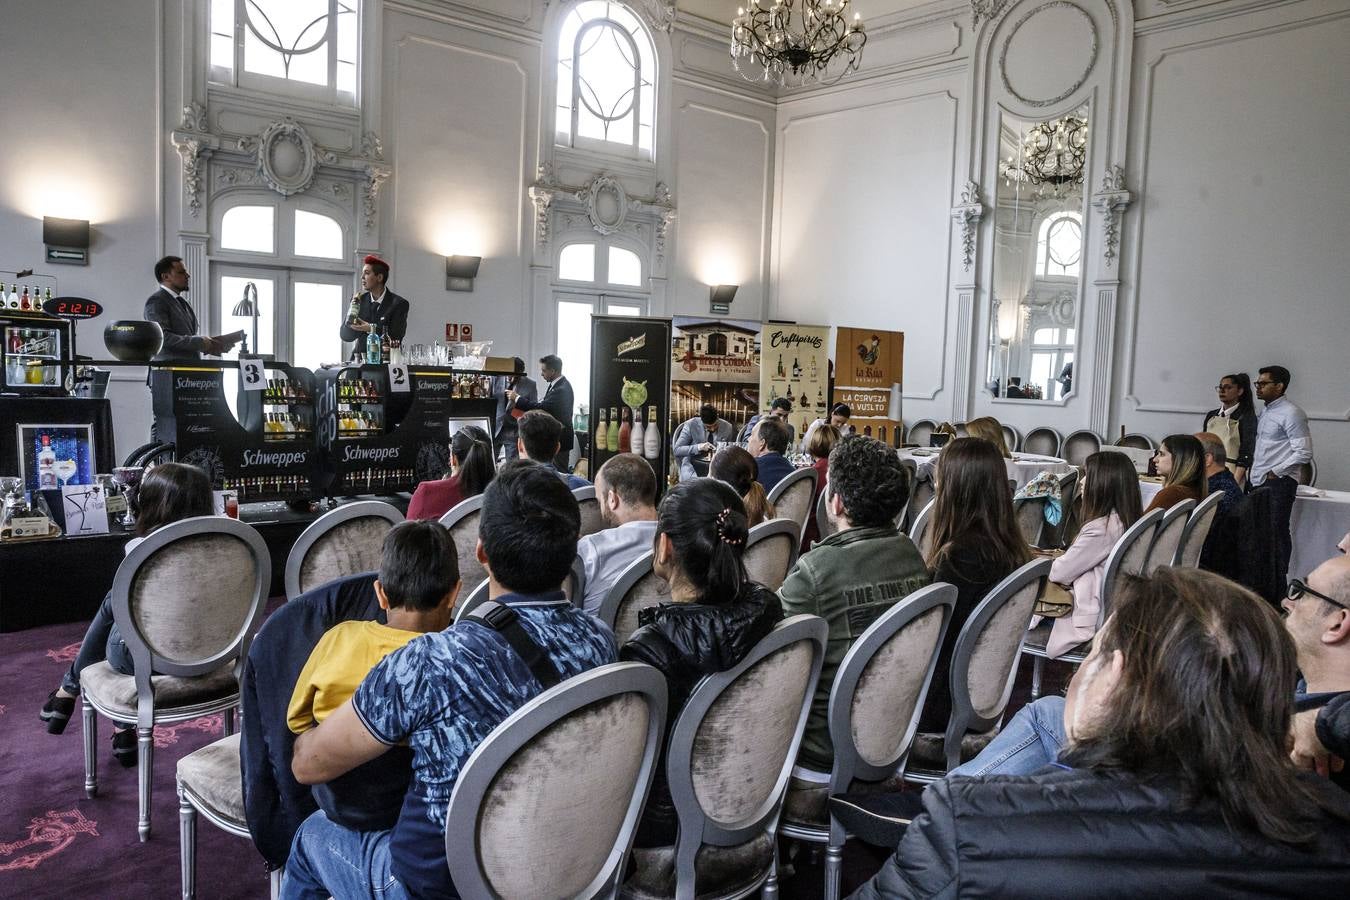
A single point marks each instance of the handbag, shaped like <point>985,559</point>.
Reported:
<point>1054,602</point>
<point>1226,430</point>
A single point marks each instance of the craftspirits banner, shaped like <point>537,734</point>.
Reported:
<point>868,373</point>
<point>714,361</point>
<point>797,368</point>
<point>630,391</point>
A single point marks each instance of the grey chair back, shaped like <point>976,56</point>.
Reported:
<point>1128,557</point>
<point>770,551</point>
<point>733,746</point>
<point>984,660</point>
<point>1307,473</point>
<point>1137,441</point>
<point>472,600</point>
<point>912,483</point>
<point>589,506</point>
<point>960,429</point>
<point>824,527</point>
<point>1167,539</point>
<point>637,588</point>
<point>1197,530</point>
<point>918,532</point>
<point>341,542</point>
<point>542,808</point>
<point>1061,534</point>
<point>793,497</point>
<point>1079,445</point>
<point>574,586</point>
<point>1043,441</point>
<point>920,431</point>
<point>1012,437</point>
<point>921,492</point>
<point>462,523</point>
<point>188,600</point>
<point>1030,512</point>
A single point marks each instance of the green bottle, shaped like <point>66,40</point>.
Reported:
<point>612,437</point>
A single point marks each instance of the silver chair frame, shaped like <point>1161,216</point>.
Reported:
<point>585,494</point>
<point>476,598</point>
<point>1012,437</point>
<point>823,526</point>
<point>1197,530</point>
<point>628,578</point>
<point>792,478</point>
<point>1043,429</point>
<point>1175,517</point>
<point>919,529</point>
<point>1137,440</point>
<point>325,523</point>
<point>919,426</point>
<point>766,531</point>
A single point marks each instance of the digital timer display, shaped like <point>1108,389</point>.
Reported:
<point>73,307</point>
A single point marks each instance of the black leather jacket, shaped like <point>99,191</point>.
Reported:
<point>688,641</point>
<point>1078,833</point>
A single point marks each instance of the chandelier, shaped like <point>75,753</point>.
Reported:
<point>796,41</point>
<point>1052,154</point>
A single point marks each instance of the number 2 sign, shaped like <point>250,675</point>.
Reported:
<point>398,380</point>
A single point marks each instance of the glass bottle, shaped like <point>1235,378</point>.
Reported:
<point>602,430</point>
<point>612,440</point>
<point>636,435</point>
<point>625,430</point>
<point>651,436</point>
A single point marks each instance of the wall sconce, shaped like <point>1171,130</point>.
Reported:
<point>720,296</point>
<point>460,271</point>
<point>67,240</point>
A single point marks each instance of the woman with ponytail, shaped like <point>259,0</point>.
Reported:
<point>714,617</point>
<point>736,467</point>
<point>471,469</point>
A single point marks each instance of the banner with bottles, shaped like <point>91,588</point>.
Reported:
<point>714,361</point>
<point>868,373</point>
<point>797,369</point>
<point>630,391</point>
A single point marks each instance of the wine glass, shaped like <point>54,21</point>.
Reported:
<point>64,469</point>
<point>10,487</point>
<point>129,477</point>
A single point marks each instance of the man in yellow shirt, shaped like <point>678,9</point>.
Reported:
<point>417,588</point>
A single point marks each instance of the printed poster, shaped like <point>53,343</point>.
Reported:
<point>714,361</point>
<point>796,368</point>
<point>869,371</point>
<point>630,391</point>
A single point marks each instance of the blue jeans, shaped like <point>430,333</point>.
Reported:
<point>101,641</point>
<point>330,860</point>
<point>1028,743</point>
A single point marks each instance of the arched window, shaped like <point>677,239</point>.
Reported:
<point>1059,245</point>
<point>606,79</point>
<point>308,48</point>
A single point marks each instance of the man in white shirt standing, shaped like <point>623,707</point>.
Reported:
<point>626,489</point>
<point>1283,446</point>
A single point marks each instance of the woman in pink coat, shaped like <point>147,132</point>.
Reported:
<point>1110,505</point>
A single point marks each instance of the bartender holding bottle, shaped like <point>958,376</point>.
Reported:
<point>376,307</point>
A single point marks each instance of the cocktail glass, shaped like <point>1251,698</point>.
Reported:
<point>64,469</point>
<point>129,477</point>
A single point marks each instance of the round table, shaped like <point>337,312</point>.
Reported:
<point>1021,468</point>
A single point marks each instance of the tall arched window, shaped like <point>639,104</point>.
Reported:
<point>308,48</point>
<point>1059,245</point>
<point>606,79</point>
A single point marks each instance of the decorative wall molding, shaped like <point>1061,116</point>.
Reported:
<point>193,152</point>
<point>967,215</point>
<point>1100,408</point>
<point>985,9</point>
<point>605,203</point>
<point>286,156</point>
<point>1112,201</point>
<point>965,321</point>
<point>1087,70</point>
<point>375,178</point>
<point>659,14</point>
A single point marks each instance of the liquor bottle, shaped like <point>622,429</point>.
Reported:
<point>781,373</point>
<point>23,301</point>
<point>14,296</point>
<point>47,298</point>
<point>796,368</point>
<point>820,400</point>
<point>789,394</point>
<point>612,439</point>
<point>602,430</point>
<point>814,371</point>
<point>354,310</point>
<point>46,464</point>
<point>651,436</point>
<point>635,436</point>
<point>625,430</point>
<point>373,347</point>
<point>385,349</point>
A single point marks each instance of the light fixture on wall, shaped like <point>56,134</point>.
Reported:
<point>796,41</point>
<point>720,297</point>
<point>67,240</point>
<point>248,308</point>
<point>460,271</point>
<point>1050,154</point>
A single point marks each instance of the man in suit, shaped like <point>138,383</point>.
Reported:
<point>176,318</point>
<point>506,430</point>
<point>557,402</point>
<point>378,307</point>
<point>768,443</point>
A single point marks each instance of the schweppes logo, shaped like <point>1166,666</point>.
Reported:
<point>634,343</point>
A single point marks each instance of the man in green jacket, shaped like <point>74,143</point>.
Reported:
<point>855,574</point>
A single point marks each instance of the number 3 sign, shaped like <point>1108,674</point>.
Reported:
<point>251,373</point>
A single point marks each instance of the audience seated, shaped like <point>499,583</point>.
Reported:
<point>768,443</point>
<point>819,442</point>
<point>1317,614</point>
<point>988,428</point>
<point>779,409</point>
<point>975,543</point>
<point>444,692</point>
<point>1110,504</point>
<point>1217,476</point>
<point>698,437</point>
<point>169,492</point>
<point>735,466</point>
<point>715,617</point>
<point>471,468</point>
<point>1174,779</point>
<point>625,487</point>
<point>1181,462</point>
<point>540,440</point>
<point>855,574</point>
<point>1234,422</point>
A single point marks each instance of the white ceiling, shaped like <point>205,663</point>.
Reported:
<point>724,10</point>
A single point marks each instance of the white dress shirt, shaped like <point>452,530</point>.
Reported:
<point>605,554</point>
<point>1283,441</point>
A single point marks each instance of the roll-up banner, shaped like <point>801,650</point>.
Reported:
<point>630,391</point>
<point>868,374</point>
<point>797,369</point>
<point>714,361</point>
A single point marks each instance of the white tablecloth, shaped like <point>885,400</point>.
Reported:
<point>1022,467</point>
<point>1317,525</point>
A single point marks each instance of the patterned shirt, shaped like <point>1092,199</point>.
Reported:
<point>443,694</point>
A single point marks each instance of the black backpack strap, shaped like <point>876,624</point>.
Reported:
<point>504,620</point>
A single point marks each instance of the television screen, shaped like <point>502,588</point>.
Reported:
<point>54,455</point>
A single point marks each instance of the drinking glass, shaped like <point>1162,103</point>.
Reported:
<point>129,477</point>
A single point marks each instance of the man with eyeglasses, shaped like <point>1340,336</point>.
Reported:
<point>1283,447</point>
<point>1318,619</point>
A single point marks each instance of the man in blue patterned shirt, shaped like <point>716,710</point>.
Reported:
<point>442,694</point>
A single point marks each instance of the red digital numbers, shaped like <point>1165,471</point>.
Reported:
<point>75,309</point>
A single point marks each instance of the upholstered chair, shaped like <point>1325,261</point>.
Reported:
<point>1197,531</point>
<point>589,505</point>
<point>344,541</point>
<point>793,496</point>
<point>1167,540</point>
<point>462,522</point>
<point>1042,441</point>
<point>637,588</point>
<point>770,551</point>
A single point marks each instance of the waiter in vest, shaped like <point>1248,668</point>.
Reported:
<point>176,318</point>
<point>377,307</point>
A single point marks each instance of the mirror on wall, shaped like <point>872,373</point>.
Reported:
<point>1038,256</point>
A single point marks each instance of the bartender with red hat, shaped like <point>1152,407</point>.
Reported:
<point>377,307</point>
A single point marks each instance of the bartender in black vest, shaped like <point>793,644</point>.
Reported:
<point>376,307</point>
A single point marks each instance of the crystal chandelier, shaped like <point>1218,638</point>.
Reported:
<point>796,41</point>
<point>1052,154</point>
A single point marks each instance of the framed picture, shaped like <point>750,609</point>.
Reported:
<point>55,454</point>
<point>483,422</point>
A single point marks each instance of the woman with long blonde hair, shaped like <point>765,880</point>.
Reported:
<point>988,428</point>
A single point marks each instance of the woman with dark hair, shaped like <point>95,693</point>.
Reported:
<point>1174,779</point>
<point>819,443</point>
<point>716,614</point>
<point>974,543</point>
<point>169,493</point>
<point>1181,462</point>
<point>1235,421</point>
<point>735,466</point>
<point>471,468</point>
<point>1110,504</point>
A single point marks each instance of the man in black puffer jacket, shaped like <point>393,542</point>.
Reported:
<point>1175,781</point>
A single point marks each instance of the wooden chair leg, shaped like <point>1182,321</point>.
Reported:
<point>187,844</point>
<point>90,749</point>
<point>145,763</point>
